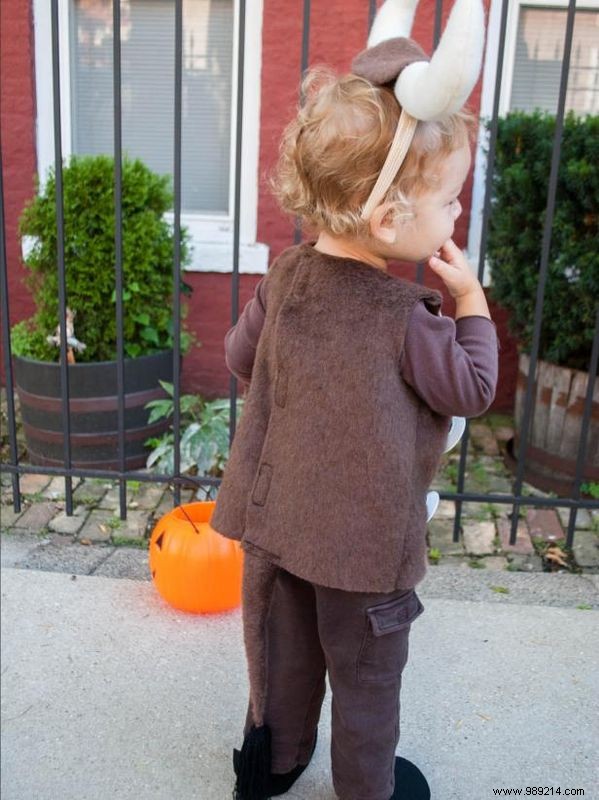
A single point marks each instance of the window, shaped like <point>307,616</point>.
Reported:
<point>539,50</point>
<point>532,61</point>
<point>148,77</point>
<point>209,98</point>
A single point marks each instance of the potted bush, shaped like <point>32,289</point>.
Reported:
<point>148,246</point>
<point>519,197</point>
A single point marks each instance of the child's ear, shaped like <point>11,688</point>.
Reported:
<point>382,225</point>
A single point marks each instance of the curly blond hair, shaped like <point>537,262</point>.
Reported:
<point>331,153</point>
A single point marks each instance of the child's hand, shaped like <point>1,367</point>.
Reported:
<point>454,270</point>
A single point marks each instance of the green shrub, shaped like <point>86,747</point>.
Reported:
<point>89,225</point>
<point>518,203</point>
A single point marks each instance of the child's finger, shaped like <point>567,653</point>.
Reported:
<point>450,251</point>
<point>438,265</point>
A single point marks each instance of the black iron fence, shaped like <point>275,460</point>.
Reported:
<point>516,499</point>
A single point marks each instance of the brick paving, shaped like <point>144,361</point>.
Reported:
<point>95,539</point>
<point>522,545</point>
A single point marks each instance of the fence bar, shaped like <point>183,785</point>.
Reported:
<point>586,420</point>
<point>507,499</point>
<point>436,37</point>
<point>237,213</point>
<point>118,244</point>
<point>110,474</point>
<point>307,17</point>
<point>466,497</point>
<point>555,160</point>
<point>66,470</point>
<point>177,253</point>
<point>490,165</point>
<point>297,236</point>
<point>438,19</point>
<point>64,376</point>
<point>10,400</point>
<point>371,13</point>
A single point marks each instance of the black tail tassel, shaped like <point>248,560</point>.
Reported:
<point>254,765</point>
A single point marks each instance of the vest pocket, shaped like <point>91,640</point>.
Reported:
<point>281,387</point>
<point>262,484</point>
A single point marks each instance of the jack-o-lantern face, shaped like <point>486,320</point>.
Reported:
<point>193,567</point>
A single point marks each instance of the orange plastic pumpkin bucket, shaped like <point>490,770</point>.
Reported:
<point>193,567</point>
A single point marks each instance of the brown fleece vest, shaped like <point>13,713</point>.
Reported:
<point>334,452</point>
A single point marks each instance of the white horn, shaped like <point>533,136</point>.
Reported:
<point>394,18</point>
<point>430,90</point>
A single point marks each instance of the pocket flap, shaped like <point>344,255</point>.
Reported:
<point>394,614</point>
<point>281,386</point>
<point>262,484</point>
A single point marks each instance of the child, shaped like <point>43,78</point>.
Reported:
<point>353,378</point>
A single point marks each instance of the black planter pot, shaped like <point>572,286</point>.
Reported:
<point>93,406</point>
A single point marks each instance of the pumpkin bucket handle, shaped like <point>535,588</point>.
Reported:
<point>182,507</point>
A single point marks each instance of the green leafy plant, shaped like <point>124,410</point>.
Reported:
<point>479,474</point>
<point>519,198</point>
<point>450,472</point>
<point>591,488</point>
<point>476,563</point>
<point>204,444</point>
<point>89,257</point>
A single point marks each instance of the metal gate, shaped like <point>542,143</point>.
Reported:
<point>516,499</point>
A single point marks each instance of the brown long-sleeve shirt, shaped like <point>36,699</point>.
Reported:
<point>451,364</point>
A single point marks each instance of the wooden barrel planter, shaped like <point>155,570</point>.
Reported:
<point>555,428</point>
<point>93,404</point>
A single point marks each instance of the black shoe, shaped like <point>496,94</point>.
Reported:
<point>410,783</point>
<point>279,784</point>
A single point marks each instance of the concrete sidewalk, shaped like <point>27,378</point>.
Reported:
<point>108,692</point>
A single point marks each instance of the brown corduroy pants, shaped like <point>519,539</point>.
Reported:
<point>361,639</point>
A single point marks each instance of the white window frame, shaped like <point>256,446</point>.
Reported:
<point>486,108</point>
<point>211,234</point>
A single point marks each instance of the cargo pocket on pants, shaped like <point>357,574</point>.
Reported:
<point>384,650</point>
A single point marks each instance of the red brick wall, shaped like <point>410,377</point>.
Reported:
<point>338,32</point>
<point>17,134</point>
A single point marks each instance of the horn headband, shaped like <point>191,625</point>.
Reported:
<point>426,89</point>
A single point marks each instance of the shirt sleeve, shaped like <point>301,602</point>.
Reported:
<point>241,340</point>
<point>451,364</point>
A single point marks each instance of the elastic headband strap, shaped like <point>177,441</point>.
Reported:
<point>406,127</point>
